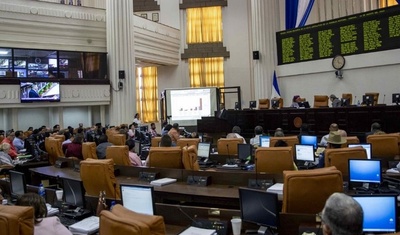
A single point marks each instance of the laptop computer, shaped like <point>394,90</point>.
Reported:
<point>203,153</point>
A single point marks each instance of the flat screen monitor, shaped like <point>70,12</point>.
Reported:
<point>344,102</point>
<point>309,139</point>
<point>396,98</point>
<point>380,212</point>
<point>245,151</point>
<point>138,198</point>
<point>253,104</point>
<point>365,171</point>
<point>17,184</point>
<point>4,63</point>
<point>275,103</point>
<point>203,150</point>
<point>259,207</point>
<point>138,147</point>
<point>39,91</point>
<point>367,148</point>
<point>19,64</point>
<point>304,152</point>
<point>52,63</point>
<point>264,141</point>
<point>368,100</point>
<point>304,104</point>
<point>74,193</point>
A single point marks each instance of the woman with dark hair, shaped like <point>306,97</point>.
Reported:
<point>136,119</point>
<point>174,133</point>
<point>74,149</point>
<point>43,225</point>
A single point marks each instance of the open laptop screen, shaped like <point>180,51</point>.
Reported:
<point>245,151</point>
<point>309,139</point>
<point>203,150</point>
<point>304,152</point>
<point>264,141</point>
<point>365,170</point>
<point>138,198</point>
<point>367,148</point>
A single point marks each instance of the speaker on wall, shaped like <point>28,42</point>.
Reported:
<point>256,55</point>
<point>121,74</point>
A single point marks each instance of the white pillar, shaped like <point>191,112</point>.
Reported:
<point>120,48</point>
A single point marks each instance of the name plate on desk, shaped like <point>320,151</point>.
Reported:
<point>148,176</point>
<point>198,180</point>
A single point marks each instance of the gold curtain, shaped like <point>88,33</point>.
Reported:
<point>387,3</point>
<point>205,72</point>
<point>204,25</point>
<point>147,94</point>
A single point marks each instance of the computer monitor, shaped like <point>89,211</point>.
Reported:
<point>17,184</point>
<point>304,104</point>
<point>259,207</point>
<point>365,171</point>
<point>253,104</point>
<point>245,151</point>
<point>344,102</point>
<point>74,193</point>
<point>304,152</point>
<point>309,139</point>
<point>264,141</point>
<point>380,212</point>
<point>144,128</point>
<point>138,147</point>
<point>138,198</point>
<point>275,103</point>
<point>396,98</point>
<point>367,147</point>
<point>203,150</point>
<point>368,100</point>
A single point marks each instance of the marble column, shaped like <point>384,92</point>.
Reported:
<point>264,24</point>
<point>121,57</point>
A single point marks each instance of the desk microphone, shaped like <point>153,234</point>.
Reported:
<point>195,223</point>
<point>355,99</point>
<point>384,96</point>
<point>229,156</point>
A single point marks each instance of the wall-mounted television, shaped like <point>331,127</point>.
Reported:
<point>52,63</point>
<point>63,63</point>
<point>39,91</point>
<point>38,66</point>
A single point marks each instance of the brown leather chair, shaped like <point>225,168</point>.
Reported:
<point>274,160</point>
<point>290,140</point>
<point>61,137</point>
<point>263,104</point>
<point>26,134</point>
<point>165,157</point>
<point>352,140</point>
<point>384,146</point>
<point>54,149</point>
<point>189,158</point>
<point>16,220</point>
<point>306,191</point>
<point>123,221</point>
<point>375,95</point>
<point>280,102</point>
<point>348,96</point>
<point>340,157</point>
<point>117,139</point>
<point>321,101</point>
<point>182,142</point>
<point>228,146</point>
<point>155,141</point>
<point>89,150</point>
<point>120,154</point>
<point>98,175</point>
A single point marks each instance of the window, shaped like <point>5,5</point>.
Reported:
<point>147,93</point>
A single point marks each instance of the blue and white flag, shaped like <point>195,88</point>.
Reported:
<point>275,87</point>
<point>297,12</point>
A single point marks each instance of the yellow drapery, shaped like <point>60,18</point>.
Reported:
<point>204,25</point>
<point>205,72</point>
<point>387,3</point>
<point>147,94</point>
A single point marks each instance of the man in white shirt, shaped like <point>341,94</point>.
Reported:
<point>332,127</point>
<point>18,142</point>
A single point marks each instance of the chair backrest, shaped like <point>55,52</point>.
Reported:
<point>89,150</point>
<point>375,95</point>
<point>274,160</point>
<point>348,96</point>
<point>54,149</point>
<point>340,157</point>
<point>16,220</point>
<point>290,140</point>
<point>120,154</point>
<point>263,104</point>
<point>280,102</point>
<point>117,139</point>
<point>386,145</point>
<point>122,219</point>
<point>306,191</point>
<point>228,146</point>
<point>61,137</point>
<point>189,158</point>
<point>320,101</point>
<point>352,140</point>
<point>182,142</point>
<point>98,175</point>
<point>165,157</point>
<point>155,141</point>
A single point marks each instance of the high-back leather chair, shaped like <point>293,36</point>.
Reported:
<point>89,150</point>
<point>98,175</point>
<point>274,160</point>
<point>384,146</point>
<point>280,100</point>
<point>155,141</point>
<point>16,220</point>
<point>182,142</point>
<point>290,140</point>
<point>263,104</point>
<point>320,101</point>
<point>165,157</point>
<point>352,140</point>
<point>228,146</point>
<point>306,191</point>
<point>118,139</point>
<point>349,97</point>
<point>120,154</point>
<point>375,95</point>
<point>340,157</point>
<point>189,158</point>
<point>53,148</point>
<point>61,137</point>
<point>123,221</point>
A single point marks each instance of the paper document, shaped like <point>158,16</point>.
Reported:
<point>85,226</point>
<point>198,231</point>
<point>276,188</point>
<point>163,181</point>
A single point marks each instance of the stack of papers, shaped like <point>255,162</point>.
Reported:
<point>198,231</point>
<point>51,210</point>
<point>276,188</point>
<point>84,227</point>
<point>163,181</point>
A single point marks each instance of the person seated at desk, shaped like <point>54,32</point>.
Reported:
<point>102,147</point>
<point>166,129</point>
<point>5,159</point>
<point>236,134</point>
<point>133,157</point>
<point>375,130</point>
<point>10,135</point>
<point>18,142</point>
<point>295,102</point>
<point>342,215</point>
<point>282,143</point>
<point>335,140</point>
<point>332,127</point>
<point>153,131</point>
<point>258,131</point>
<point>74,149</point>
<point>165,141</point>
<point>335,101</point>
<point>43,225</point>
<point>174,133</point>
<point>279,132</point>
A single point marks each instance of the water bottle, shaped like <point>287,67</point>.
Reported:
<point>42,191</point>
<point>112,205</point>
